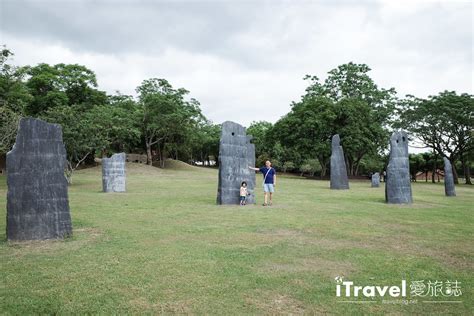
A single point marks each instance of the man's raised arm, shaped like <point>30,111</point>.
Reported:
<point>256,169</point>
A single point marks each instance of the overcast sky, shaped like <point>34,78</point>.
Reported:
<point>245,60</point>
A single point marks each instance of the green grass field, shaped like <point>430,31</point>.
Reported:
<point>165,247</point>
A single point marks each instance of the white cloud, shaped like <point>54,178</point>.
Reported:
<point>245,61</point>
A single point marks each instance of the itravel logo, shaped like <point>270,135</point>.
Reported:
<point>351,290</point>
<point>429,291</point>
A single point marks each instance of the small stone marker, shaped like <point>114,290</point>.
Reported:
<point>236,154</point>
<point>37,198</point>
<point>113,173</point>
<point>376,180</point>
<point>398,184</point>
<point>449,188</point>
<point>339,180</point>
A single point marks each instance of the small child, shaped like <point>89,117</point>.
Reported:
<point>243,193</point>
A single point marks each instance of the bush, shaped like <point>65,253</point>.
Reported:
<point>310,166</point>
<point>288,166</point>
<point>305,168</point>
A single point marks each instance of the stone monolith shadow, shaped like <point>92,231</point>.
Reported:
<point>236,153</point>
<point>37,198</point>
<point>397,183</point>
<point>339,179</point>
<point>113,173</point>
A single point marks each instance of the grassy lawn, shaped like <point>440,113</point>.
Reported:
<point>164,246</point>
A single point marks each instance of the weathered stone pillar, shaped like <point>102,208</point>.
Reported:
<point>449,188</point>
<point>37,198</point>
<point>339,179</point>
<point>236,153</point>
<point>398,184</point>
<point>113,173</point>
<point>376,180</point>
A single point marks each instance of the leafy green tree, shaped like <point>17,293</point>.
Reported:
<point>8,128</point>
<point>305,131</point>
<point>118,127</point>
<point>81,138</point>
<point>61,85</point>
<point>304,168</point>
<point>444,123</point>
<point>288,166</point>
<point>166,117</point>
<point>351,81</point>
<point>259,131</point>
<point>310,166</point>
<point>204,142</point>
<point>348,103</point>
<point>417,164</point>
<point>314,166</point>
<point>372,163</point>
<point>14,97</point>
<point>361,113</point>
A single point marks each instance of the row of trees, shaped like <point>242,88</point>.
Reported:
<point>349,103</point>
<point>163,121</point>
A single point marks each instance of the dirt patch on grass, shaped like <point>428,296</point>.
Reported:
<point>398,239</point>
<point>322,266</point>
<point>141,304</point>
<point>404,245</point>
<point>274,303</point>
<point>80,238</point>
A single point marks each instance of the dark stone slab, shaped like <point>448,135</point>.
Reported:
<point>449,188</point>
<point>339,178</point>
<point>236,153</point>
<point>113,173</point>
<point>37,198</point>
<point>398,184</point>
<point>376,180</point>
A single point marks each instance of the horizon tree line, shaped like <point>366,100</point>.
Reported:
<point>165,122</point>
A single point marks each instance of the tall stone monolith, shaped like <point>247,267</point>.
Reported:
<point>449,187</point>
<point>236,153</point>
<point>398,184</point>
<point>375,180</point>
<point>37,198</point>
<point>339,179</point>
<point>113,173</point>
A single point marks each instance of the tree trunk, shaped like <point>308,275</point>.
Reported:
<point>323,170</point>
<point>68,174</point>
<point>455,173</point>
<point>466,170</point>
<point>434,170</point>
<point>356,172</point>
<point>467,173</point>
<point>162,155</point>
<point>148,154</point>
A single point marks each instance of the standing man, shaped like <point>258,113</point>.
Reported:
<point>269,181</point>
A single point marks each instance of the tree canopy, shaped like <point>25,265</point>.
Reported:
<point>166,122</point>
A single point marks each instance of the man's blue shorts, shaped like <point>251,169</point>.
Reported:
<point>268,187</point>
